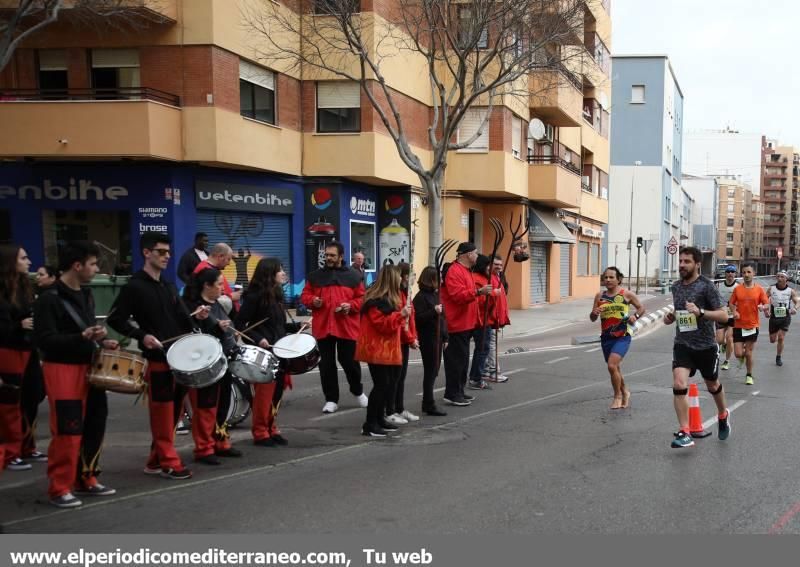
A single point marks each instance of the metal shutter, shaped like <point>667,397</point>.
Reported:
<point>566,273</point>
<point>473,118</point>
<point>264,235</point>
<point>538,268</point>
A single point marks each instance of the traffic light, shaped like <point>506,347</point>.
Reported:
<point>639,242</point>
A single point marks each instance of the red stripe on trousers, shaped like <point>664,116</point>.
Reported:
<point>12,362</point>
<point>264,426</point>
<point>162,424</point>
<point>204,424</point>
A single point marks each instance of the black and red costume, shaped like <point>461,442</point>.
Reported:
<point>460,301</point>
<point>430,345</point>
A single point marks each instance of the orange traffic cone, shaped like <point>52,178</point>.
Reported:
<point>695,417</point>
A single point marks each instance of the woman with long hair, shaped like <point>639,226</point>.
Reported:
<point>16,325</point>
<point>428,314</point>
<point>383,317</point>
<point>395,408</point>
<point>264,300</point>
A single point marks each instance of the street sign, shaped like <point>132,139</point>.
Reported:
<point>647,245</point>
<point>780,252</point>
<point>672,249</point>
<point>672,242</point>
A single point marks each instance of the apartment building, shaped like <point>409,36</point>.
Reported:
<point>735,206</point>
<point>181,127</point>
<point>704,191</point>
<point>754,235</point>
<point>780,195</point>
<point>646,198</point>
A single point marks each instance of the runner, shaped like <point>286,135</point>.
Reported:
<point>783,302</point>
<point>697,306</point>
<point>725,330</point>
<point>612,306</point>
<point>747,299</point>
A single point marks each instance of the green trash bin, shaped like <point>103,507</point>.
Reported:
<point>105,290</point>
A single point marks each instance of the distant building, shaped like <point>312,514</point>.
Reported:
<point>705,192</point>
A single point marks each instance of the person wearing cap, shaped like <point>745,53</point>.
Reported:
<point>459,296</point>
<point>783,301</point>
<point>725,330</point>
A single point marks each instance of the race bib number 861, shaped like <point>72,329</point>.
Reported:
<point>686,321</point>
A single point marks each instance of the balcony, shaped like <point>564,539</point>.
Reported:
<point>598,51</point>
<point>556,97</point>
<point>555,180</point>
<point>64,123</point>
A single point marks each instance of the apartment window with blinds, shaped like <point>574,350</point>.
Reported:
<point>114,71</point>
<point>256,92</point>
<point>472,121</point>
<point>637,94</point>
<point>53,72</point>
<point>730,222</point>
<point>466,29</point>
<point>516,137</point>
<point>583,258</point>
<point>338,107</point>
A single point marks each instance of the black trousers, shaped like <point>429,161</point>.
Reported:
<point>396,389</point>
<point>456,361</point>
<point>329,375</point>
<point>94,431</point>
<point>382,375</point>
<point>31,395</point>
<point>431,358</point>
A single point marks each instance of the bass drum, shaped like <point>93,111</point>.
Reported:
<point>240,407</point>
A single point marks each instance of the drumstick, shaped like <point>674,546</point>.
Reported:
<point>304,326</point>
<point>241,334</point>
<point>254,325</point>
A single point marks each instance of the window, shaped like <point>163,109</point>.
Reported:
<point>362,239</point>
<point>729,237</point>
<point>467,24</point>
<point>637,94</point>
<point>730,222</point>
<point>256,92</point>
<point>595,262</point>
<point>338,107</point>
<point>731,193</point>
<point>330,7</point>
<point>516,136</point>
<point>53,72</point>
<point>473,119</point>
<point>583,258</point>
<point>475,228</point>
<point>729,252</point>
<point>730,208</point>
<point>114,71</point>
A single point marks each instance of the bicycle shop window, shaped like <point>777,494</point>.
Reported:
<point>338,106</point>
<point>256,92</point>
<point>110,231</point>
<point>115,73</point>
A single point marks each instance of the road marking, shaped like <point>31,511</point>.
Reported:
<point>557,360</point>
<point>334,414</point>
<point>646,369</point>
<point>547,330</point>
<point>510,372</point>
<point>434,391</point>
<point>785,519</point>
<point>712,420</point>
<point>592,349</point>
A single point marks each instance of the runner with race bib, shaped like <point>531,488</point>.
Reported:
<point>725,330</point>
<point>747,300</point>
<point>783,302</point>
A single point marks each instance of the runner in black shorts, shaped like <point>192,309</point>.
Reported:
<point>725,330</point>
<point>697,306</point>
<point>783,302</point>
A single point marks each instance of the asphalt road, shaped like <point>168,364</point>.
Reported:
<point>539,454</point>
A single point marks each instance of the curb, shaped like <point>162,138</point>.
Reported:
<point>637,328</point>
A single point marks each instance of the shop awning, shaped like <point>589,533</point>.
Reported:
<point>547,227</point>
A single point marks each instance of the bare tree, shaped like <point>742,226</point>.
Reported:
<point>474,53</point>
<point>19,19</point>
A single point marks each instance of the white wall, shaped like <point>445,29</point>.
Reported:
<point>712,152</point>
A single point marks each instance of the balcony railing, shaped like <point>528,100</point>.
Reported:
<point>557,157</point>
<point>82,94</point>
<point>574,79</point>
<point>598,51</point>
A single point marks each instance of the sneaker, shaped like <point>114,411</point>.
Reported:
<point>375,431</point>
<point>457,401</point>
<point>363,400</point>
<point>280,439</point>
<point>211,459</point>
<point>96,489</point>
<point>151,470</point>
<point>724,426</point>
<point>478,385</point>
<point>229,452</point>
<point>682,439</point>
<point>434,411</point>
<point>67,500</point>
<point>19,465</point>
<point>778,361</point>
<point>467,397</point>
<point>725,365</point>
<point>181,429</point>
<point>388,426</point>
<point>330,407</point>
<point>499,380</point>
<point>396,419</point>
<point>267,442</point>
<point>173,474</point>
<point>748,380</point>
<point>408,416</point>
<point>35,457</point>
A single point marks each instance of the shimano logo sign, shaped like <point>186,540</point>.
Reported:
<point>365,207</point>
<point>82,190</point>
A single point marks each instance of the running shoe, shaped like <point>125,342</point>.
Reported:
<point>725,365</point>
<point>478,385</point>
<point>682,439</point>
<point>748,380</point>
<point>778,361</point>
<point>724,424</point>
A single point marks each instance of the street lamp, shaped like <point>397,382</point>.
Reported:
<point>630,235</point>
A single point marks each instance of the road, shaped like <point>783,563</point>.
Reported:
<point>539,454</point>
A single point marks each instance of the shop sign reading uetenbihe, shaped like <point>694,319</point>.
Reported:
<point>246,198</point>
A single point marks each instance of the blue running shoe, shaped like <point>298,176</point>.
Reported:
<point>682,439</point>
<point>724,426</point>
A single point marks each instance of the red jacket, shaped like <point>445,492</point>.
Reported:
<point>334,287</point>
<point>226,287</point>
<point>379,339</point>
<point>409,336</point>
<point>480,281</point>
<point>501,310</point>
<point>460,299</point>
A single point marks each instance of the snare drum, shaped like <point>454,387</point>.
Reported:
<point>254,364</point>
<point>118,371</point>
<point>197,360</point>
<point>299,352</point>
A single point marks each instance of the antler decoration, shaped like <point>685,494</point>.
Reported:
<point>517,232</point>
<point>441,254</point>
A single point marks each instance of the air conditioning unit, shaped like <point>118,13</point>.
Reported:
<point>549,132</point>
<point>601,234</point>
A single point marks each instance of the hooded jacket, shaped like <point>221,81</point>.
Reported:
<point>12,335</point>
<point>57,334</point>
<point>425,316</point>
<point>379,339</point>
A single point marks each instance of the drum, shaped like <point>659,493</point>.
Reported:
<point>299,352</point>
<point>118,371</point>
<point>197,360</point>
<point>254,364</point>
<point>239,408</point>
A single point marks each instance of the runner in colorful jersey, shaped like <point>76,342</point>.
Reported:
<point>783,304</point>
<point>613,308</point>
<point>725,330</point>
<point>747,300</point>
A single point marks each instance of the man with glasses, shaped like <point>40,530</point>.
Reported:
<point>153,303</point>
<point>335,293</point>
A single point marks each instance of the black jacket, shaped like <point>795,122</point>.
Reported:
<point>154,305</point>
<point>253,310</point>
<point>57,334</point>
<point>12,335</point>
<point>187,264</point>
<point>210,325</point>
<point>425,315</point>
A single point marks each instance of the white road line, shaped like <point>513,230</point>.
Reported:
<point>557,360</point>
<point>510,372</point>
<point>592,349</point>
<point>334,414</point>
<point>712,420</point>
<point>646,369</point>
<point>757,392</point>
<point>541,331</point>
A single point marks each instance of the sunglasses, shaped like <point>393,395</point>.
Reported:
<point>161,251</point>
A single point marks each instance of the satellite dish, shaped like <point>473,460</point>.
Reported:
<point>536,129</point>
<point>602,98</point>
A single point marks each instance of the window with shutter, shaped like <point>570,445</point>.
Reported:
<point>637,94</point>
<point>338,107</point>
<point>516,136</point>
<point>256,92</point>
<point>53,73</point>
<point>114,71</point>
<point>473,118</point>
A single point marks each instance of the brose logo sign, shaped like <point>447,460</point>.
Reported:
<point>365,207</point>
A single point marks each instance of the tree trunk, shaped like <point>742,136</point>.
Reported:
<point>433,189</point>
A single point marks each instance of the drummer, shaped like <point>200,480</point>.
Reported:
<point>263,301</point>
<point>153,303</point>
<point>67,335</point>
<point>202,294</point>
